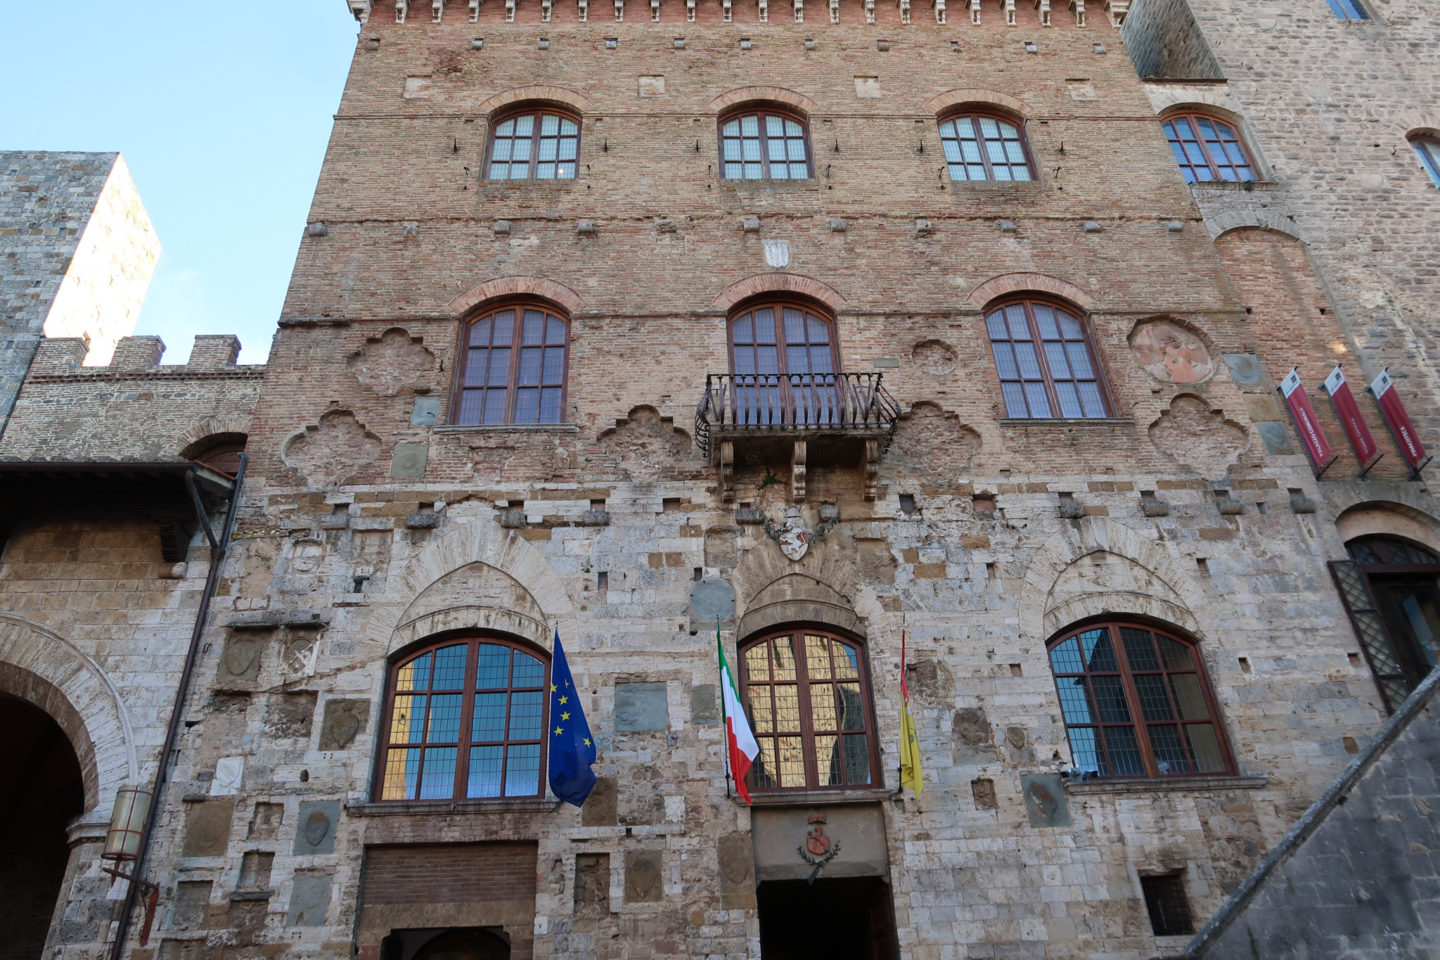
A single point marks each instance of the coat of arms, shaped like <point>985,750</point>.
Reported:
<point>777,253</point>
<point>819,849</point>
<point>793,535</point>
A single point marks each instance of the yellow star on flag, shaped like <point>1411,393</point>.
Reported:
<point>564,716</point>
<point>553,688</point>
<point>587,741</point>
<point>558,731</point>
<point>564,699</point>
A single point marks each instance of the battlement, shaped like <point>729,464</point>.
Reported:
<point>211,353</point>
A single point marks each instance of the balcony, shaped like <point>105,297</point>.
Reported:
<point>814,418</point>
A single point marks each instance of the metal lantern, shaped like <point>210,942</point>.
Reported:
<point>127,823</point>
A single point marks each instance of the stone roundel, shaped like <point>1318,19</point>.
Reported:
<point>1171,352</point>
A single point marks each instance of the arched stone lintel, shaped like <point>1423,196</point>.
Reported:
<point>1403,513</point>
<point>762,283</point>
<point>502,287</point>
<point>1252,217</point>
<point>45,669</point>
<point>764,616</point>
<point>201,432</point>
<point>1006,284</point>
<point>762,94</point>
<point>949,100</point>
<point>478,618</point>
<point>536,93</point>
<point>1119,604</point>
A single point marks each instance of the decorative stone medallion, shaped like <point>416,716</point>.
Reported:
<point>777,253</point>
<point>1170,352</point>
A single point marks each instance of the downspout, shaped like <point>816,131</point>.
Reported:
<point>217,559</point>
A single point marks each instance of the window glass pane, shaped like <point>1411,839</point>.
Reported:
<point>1045,321</point>
<point>489,719</point>
<point>402,769</point>
<point>794,325</point>
<point>1005,361</point>
<point>799,171</point>
<point>750,149</point>
<point>1069,399</point>
<point>1015,405</point>
<point>1139,649</point>
<point>1021,172</point>
<point>484,772</point>
<point>784,663</point>
<point>857,760</point>
<point>989,128</point>
<point>545,171</point>
<point>414,675</point>
<point>730,128</point>
<point>1099,656</point>
<point>519,152</point>
<point>444,719</point>
<point>822,707</point>
<point>549,125</point>
<point>522,770</point>
<point>791,752</point>
<point>1038,401</point>
<point>995,324</point>
<point>1084,750</point>
<point>817,657</point>
<point>1019,326</point>
<point>1028,360</point>
<point>750,125</point>
<point>549,149</point>
<point>847,661</point>
<point>529,672</point>
<point>527,406</point>
<point>970,150</point>
<point>492,671</point>
<point>1208,758</point>
<point>569,149</point>
<point>1110,699</point>
<point>471,403</point>
<point>1055,357</point>
<point>1074,705</point>
<point>527,373</point>
<point>1189,699</point>
<point>787,707</point>
<point>553,371</point>
<point>1171,756</point>
<point>1175,654</point>
<point>527,710</point>
<point>1154,704</point>
<point>1093,402</point>
<point>757,662</point>
<point>1000,172</point>
<point>952,151</point>
<point>829,761</point>
<point>852,706</point>
<point>1124,753</point>
<point>437,778</point>
<point>494,406</point>
<point>774,126</point>
<point>407,719</point>
<point>730,150</point>
<point>1065,657</point>
<point>1079,358</point>
<point>450,667</point>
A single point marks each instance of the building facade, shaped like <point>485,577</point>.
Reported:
<point>886,344</point>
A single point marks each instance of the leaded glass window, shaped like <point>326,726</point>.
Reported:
<point>808,695</point>
<point>1136,703</point>
<point>1046,366</point>
<point>764,146</point>
<point>784,360</point>
<point>1208,148</point>
<point>513,365</point>
<point>535,145</point>
<point>465,721</point>
<point>983,147</point>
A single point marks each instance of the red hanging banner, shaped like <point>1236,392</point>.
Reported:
<point>1354,425</point>
<point>1304,416</point>
<point>1383,389</point>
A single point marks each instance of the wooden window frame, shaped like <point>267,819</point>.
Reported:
<point>467,692</point>
<point>1138,721</point>
<point>762,111</point>
<point>807,734</point>
<point>1016,122</point>
<point>462,362</point>
<point>1427,149</point>
<point>1102,381</point>
<point>538,111</point>
<point>1188,166</point>
<point>779,305</point>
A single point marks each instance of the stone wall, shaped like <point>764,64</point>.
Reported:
<point>1165,42</point>
<point>1356,876</point>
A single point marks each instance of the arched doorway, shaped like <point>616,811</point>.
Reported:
<point>41,791</point>
<point>462,943</point>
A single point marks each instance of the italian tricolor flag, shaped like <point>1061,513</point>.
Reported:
<point>739,740</point>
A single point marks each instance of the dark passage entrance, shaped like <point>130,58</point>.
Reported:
<point>849,918</point>
<point>40,792</point>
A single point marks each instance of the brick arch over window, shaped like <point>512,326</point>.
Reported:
<point>1359,515</point>
<point>954,101</point>
<point>1210,144</point>
<point>539,94</point>
<point>540,288</point>
<point>775,96</point>
<point>1017,283</point>
<point>778,283</point>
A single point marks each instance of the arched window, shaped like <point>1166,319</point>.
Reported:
<point>765,144</point>
<point>1404,580</point>
<point>981,146</point>
<point>534,144</point>
<point>465,719</point>
<point>220,452</point>
<point>1043,355</point>
<point>1427,148</point>
<point>808,695</point>
<point>1136,703</point>
<point>784,359</point>
<point>513,364</point>
<point>1208,148</point>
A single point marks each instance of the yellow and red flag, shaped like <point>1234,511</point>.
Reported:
<point>910,774</point>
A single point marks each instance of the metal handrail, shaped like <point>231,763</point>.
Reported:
<point>769,402</point>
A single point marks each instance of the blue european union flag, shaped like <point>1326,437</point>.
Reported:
<point>572,749</point>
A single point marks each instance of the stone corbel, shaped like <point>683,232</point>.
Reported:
<point>797,472</point>
<point>1009,7</point>
<point>1079,7</point>
<point>975,12</point>
<point>904,11</point>
<point>799,11</point>
<point>727,470</point>
<point>939,11</point>
<point>834,11</point>
<point>402,10</point>
<point>764,11</point>
<point>437,10</point>
<point>1117,9</point>
<point>475,11</point>
<point>872,469</point>
<point>361,9</point>
<point>869,11</point>
<point>1044,7</point>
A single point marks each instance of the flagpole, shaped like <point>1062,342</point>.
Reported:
<point>724,716</point>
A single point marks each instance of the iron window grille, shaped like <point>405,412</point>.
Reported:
<point>1167,905</point>
<point>1045,361</point>
<point>465,719</point>
<point>808,695</point>
<point>1136,703</point>
<point>513,367</point>
<point>534,145</point>
<point>1207,148</point>
<point>985,147</point>
<point>764,145</point>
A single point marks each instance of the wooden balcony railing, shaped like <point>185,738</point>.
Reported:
<point>800,403</point>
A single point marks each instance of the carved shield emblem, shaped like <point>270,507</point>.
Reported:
<point>816,842</point>
<point>777,253</point>
<point>794,538</point>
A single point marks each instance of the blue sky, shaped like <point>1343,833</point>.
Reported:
<point>222,112</point>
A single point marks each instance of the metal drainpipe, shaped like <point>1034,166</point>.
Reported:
<point>217,559</point>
